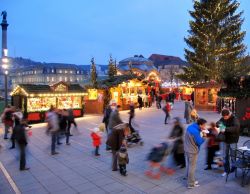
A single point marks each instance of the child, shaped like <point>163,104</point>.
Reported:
<point>212,145</point>
<point>96,137</point>
<point>123,160</point>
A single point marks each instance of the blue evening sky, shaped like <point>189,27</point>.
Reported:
<point>73,31</point>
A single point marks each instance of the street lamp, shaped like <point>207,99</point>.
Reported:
<point>5,65</point>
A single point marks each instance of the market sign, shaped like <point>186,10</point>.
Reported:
<point>92,94</point>
<point>60,88</point>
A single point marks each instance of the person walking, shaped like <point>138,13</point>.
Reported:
<point>7,120</point>
<point>167,109</point>
<point>192,142</point>
<point>106,116</point>
<point>53,128</point>
<point>71,120</point>
<point>131,116</point>
<point>140,102</point>
<point>20,136</point>
<point>63,125</point>
<point>231,132</point>
<point>178,145</point>
<point>17,118</point>
<point>187,112</point>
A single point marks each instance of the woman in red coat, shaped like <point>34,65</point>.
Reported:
<point>96,138</point>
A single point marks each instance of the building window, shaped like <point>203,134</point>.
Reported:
<point>66,71</point>
<point>60,71</point>
<point>52,70</point>
<point>60,78</point>
<point>66,79</point>
<point>52,79</point>
<point>47,79</point>
<point>77,72</point>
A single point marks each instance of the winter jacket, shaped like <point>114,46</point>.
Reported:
<point>193,139</point>
<point>232,131</point>
<point>96,139</point>
<point>122,158</point>
<point>211,138</point>
<point>114,119</point>
<point>20,134</point>
<point>115,139</point>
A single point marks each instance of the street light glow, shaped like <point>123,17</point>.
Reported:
<point>5,60</point>
<point>5,52</point>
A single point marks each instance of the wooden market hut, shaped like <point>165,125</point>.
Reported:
<point>36,100</point>
<point>205,95</point>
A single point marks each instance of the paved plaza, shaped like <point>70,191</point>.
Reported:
<point>76,170</point>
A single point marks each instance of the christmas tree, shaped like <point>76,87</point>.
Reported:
<point>93,73</point>
<point>215,41</point>
<point>111,68</point>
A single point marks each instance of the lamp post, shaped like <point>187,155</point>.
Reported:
<point>5,60</point>
<point>5,64</point>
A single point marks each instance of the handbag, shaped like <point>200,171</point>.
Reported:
<point>220,137</point>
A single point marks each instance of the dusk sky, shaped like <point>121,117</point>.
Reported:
<point>75,31</point>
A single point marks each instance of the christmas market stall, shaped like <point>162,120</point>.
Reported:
<point>205,95</point>
<point>236,97</point>
<point>36,100</point>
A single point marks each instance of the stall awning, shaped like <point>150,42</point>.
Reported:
<point>58,89</point>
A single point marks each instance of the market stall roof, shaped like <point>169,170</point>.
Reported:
<point>208,85</point>
<point>61,87</point>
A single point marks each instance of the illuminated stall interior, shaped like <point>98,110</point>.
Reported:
<point>205,95</point>
<point>35,100</point>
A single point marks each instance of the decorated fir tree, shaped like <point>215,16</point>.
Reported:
<point>111,68</point>
<point>93,73</point>
<point>215,41</point>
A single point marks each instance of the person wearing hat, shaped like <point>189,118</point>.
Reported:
<point>123,160</point>
<point>96,139</point>
<point>232,133</point>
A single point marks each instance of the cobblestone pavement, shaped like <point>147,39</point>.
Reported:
<point>76,170</point>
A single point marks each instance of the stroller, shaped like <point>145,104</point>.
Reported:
<point>156,158</point>
<point>134,138</point>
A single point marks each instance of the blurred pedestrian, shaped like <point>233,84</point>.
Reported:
<point>212,145</point>
<point>178,145</point>
<point>166,109</point>
<point>53,128</point>
<point>106,116</point>
<point>63,125</point>
<point>7,120</point>
<point>187,112</point>
<point>71,120</point>
<point>140,102</point>
<point>17,118</point>
<point>20,136</point>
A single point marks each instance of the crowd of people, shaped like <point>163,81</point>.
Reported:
<point>184,145</point>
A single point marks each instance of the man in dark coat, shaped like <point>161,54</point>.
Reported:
<point>21,139</point>
<point>232,133</point>
<point>106,116</point>
<point>115,140</point>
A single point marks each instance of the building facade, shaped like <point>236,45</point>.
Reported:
<point>49,73</point>
<point>168,66</point>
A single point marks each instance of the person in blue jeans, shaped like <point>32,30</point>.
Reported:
<point>193,139</point>
<point>232,133</point>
